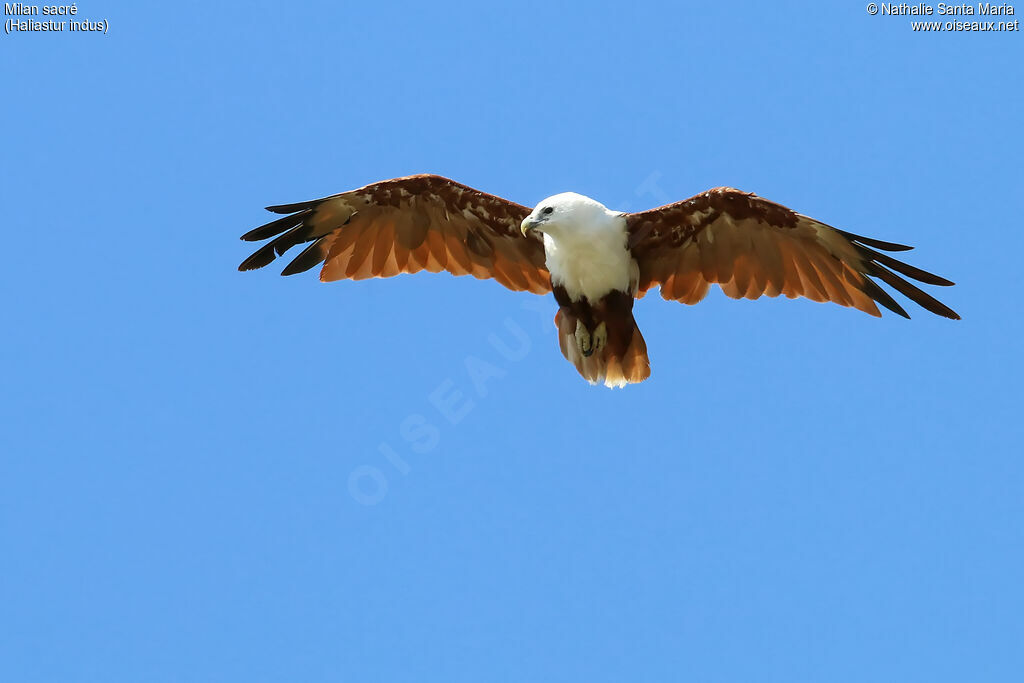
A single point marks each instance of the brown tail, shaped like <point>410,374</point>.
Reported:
<point>623,360</point>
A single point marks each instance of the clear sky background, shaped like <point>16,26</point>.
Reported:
<point>800,492</point>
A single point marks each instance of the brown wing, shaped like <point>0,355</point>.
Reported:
<point>405,225</point>
<point>752,247</point>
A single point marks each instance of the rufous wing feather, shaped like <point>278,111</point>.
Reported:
<point>405,225</point>
<point>752,247</point>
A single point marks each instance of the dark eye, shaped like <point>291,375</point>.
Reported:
<point>546,210</point>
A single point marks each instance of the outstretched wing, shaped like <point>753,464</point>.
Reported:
<point>752,247</point>
<point>405,225</point>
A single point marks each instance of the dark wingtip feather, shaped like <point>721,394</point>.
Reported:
<point>274,227</point>
<point>883,297</point>
<point>877,244</point>
<point>292,208</point>
<point>261,257</point>
<point>904,268</point>
<point>311,256</point>
<point>277,247</point>
<point>922,298</point>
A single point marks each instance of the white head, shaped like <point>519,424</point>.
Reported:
<point>569,214</point>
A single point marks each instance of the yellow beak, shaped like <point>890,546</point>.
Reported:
<point>526,225</point>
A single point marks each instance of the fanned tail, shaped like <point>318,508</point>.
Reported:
<point>623,360</point>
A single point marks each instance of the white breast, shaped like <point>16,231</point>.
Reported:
<point>591,262</point>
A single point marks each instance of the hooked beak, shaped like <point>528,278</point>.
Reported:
<point>527,225</point>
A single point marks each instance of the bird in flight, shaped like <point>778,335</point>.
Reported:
<point>596,261</point>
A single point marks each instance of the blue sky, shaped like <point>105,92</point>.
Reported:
<point>800,492</point>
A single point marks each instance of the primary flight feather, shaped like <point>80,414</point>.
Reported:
<point>595,261</point>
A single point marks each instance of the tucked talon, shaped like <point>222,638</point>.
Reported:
<point>599,338</point>
<point>583,340</point>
